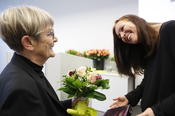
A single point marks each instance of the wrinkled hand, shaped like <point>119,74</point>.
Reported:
<point>147,112</point>
<point>82,109</point>
<point>119,101</point>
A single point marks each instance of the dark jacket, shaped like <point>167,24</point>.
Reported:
<point>157,89</point>
<point>22,92</point>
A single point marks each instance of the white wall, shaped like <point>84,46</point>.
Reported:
<point>119,86</point>
<point>90,26</point>
<point>3,57</point>
<point>157,10</point>
<point>79,24</point>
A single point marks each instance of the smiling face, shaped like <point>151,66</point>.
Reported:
<point>43,46</point>
<point>126,31</point>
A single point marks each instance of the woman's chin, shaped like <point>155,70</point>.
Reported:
<point>52,54</point>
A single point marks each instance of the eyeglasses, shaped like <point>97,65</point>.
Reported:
<point>51,34</point>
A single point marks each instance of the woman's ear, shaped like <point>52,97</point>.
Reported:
<point>27,42</point>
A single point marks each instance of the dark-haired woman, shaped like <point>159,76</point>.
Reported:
<point>147,48</point>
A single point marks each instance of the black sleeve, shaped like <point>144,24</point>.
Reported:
<point>135,95</point>
<point>20,103</point>
<point>67,104</point>
<point>167,106</point>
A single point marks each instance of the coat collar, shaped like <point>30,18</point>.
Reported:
<point>20,62</point>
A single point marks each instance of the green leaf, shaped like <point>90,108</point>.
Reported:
<point>67,90</point>
<point>99,96</point>
<point>77,83</point>
<point>103,83</point>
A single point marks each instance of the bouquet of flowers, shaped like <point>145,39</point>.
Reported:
<point>83,82</point>
<point>97,54</point>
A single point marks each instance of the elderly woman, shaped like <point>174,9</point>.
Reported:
<point>24,90</point>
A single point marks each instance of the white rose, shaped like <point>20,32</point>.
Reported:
<point>81,71</point>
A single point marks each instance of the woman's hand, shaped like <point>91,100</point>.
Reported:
<point>75,101</point>
<point>119,101</point>
<point>147,112</point>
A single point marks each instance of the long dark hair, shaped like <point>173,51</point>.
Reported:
<point>131,59</point>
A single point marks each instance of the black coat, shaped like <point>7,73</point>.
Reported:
<point>157,89</point>
<point>22,92</point>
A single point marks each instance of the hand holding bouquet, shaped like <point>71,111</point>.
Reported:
<point>83,83</point>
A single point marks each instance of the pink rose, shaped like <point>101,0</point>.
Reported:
<point>92,77</point>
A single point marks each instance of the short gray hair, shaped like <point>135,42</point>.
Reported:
<point>22,20</point>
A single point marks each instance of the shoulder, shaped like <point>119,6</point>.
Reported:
<point>13,72</point>
<point>13,78</point>
<point>17,87</point>
<point>169,25</point>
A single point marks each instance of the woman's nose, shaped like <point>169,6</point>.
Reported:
<point>122,35</point>
<point>55,39</point>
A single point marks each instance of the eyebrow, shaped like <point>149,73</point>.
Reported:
<point>50,30</point>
